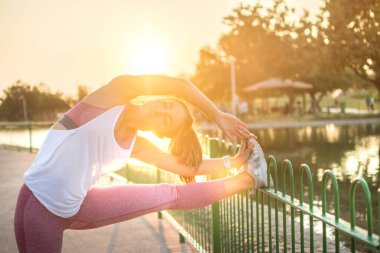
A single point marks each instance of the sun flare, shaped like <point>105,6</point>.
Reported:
<point>149,56</point>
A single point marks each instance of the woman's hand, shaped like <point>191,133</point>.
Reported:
<point>233,127</point>
<point>243,154</point>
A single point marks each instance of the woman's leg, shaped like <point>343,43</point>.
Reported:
<point>43,231</point>
<point>205,193</point>
<point>238,183</point>
<point>23,197</point>
<point>107,205</point>
<point>38,230</point>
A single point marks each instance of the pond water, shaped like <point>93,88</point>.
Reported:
<point>349,151</point>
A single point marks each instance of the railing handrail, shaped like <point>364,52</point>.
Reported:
<point>327,218</point>
<point>11,124</point>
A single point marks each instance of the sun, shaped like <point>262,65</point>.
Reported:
<point>148,56</point>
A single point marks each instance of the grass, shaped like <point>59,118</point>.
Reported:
<point>350,101</point>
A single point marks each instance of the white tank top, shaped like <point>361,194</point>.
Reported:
<point>71,161</point>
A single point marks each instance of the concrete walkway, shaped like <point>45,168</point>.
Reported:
<point>143,234</point>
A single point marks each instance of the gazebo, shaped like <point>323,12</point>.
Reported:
<point>276,86</point>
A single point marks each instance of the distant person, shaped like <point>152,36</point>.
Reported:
<point>59,193</point>
<point>243,109</point>
<point>299,108</point>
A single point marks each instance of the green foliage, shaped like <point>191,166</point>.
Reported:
<point>352,35</point>
<point>259,40</point>
<point>212,75</point>
<point>40,102</point>
<point>329,51</point>
<point>82,91</point>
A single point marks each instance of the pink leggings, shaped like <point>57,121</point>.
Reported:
<point>38,230</point>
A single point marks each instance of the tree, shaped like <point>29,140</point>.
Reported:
<point>352,33</point>
<point>274,41</point>
<point>82,91</point>
<point>313,62</point>
<point>41,103</point>
<point>212,74</point>
<point>259,51</point>
<point>270,42</point>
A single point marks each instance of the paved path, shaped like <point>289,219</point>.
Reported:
<point>143,234</point>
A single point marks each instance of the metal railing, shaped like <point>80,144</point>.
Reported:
<point>270,220</point>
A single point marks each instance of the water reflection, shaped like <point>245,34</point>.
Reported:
<point>20,137</point>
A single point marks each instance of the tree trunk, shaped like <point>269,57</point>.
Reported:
<point>315,100</point>
<point>319,101</point>
<point>313,103</point>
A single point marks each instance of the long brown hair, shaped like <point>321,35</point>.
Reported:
<point>185,145</point>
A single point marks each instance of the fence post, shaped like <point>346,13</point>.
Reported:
<point>181,238</point>
<point>214,148</point>
<point>127,172</point>
<point>159,181</point>
<point>30,137</point>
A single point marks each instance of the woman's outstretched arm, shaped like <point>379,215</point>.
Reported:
<point>147,152</point>
<point>124,88</point>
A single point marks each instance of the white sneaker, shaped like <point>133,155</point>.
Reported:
<point>256,166</point>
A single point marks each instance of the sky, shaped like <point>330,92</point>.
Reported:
<point>88,42</point>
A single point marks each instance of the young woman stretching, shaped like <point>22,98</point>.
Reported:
<point>97,135</point>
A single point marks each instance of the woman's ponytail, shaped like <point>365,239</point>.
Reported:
<point>186,147</point>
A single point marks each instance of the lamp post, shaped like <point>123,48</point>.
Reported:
<point>26,121</point>
<point>233,84</point>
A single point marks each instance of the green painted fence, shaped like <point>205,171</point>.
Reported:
<point>271,219</point>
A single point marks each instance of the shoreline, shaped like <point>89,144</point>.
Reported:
<point>295,124</point>
<point>261,122</point>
